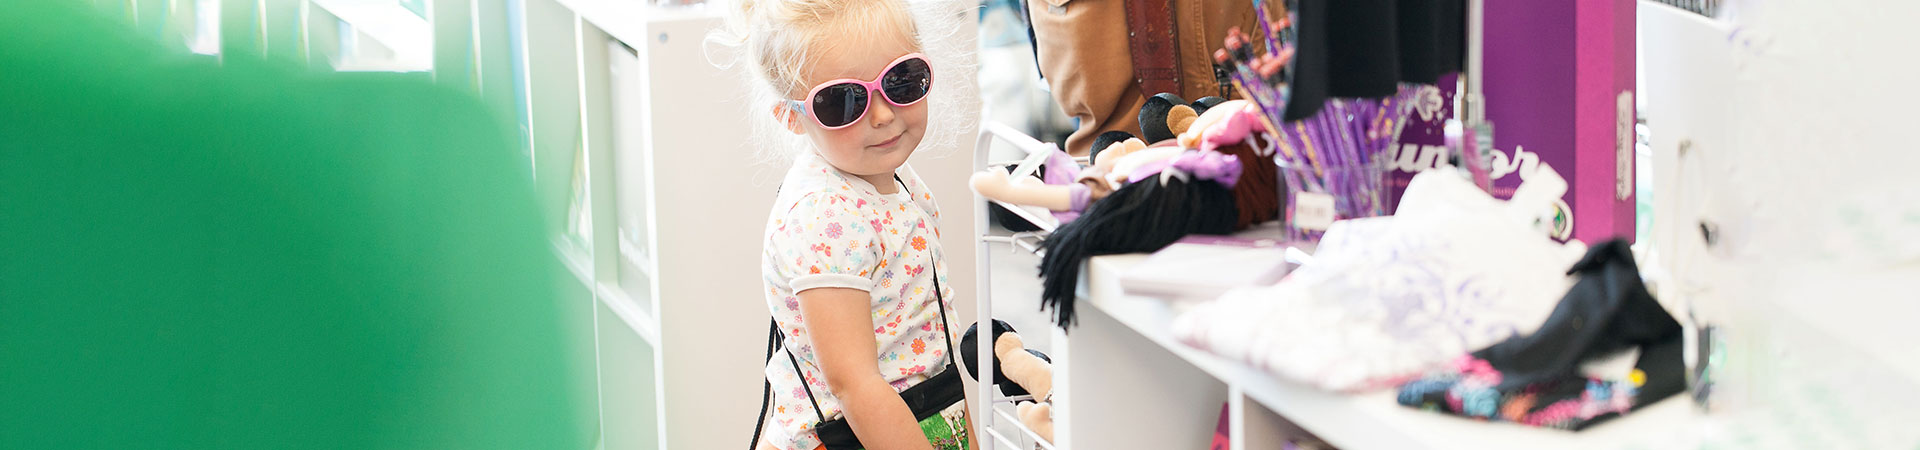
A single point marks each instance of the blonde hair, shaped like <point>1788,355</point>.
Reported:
<point>777,40</point>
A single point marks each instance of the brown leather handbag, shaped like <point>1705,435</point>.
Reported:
<point>1103,58</point>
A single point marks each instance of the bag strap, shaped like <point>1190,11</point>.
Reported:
<point>1153,42</point>
<point>803,378</point>
<point>766,388</point>
<point>932,265</point>
<point>939,297</point>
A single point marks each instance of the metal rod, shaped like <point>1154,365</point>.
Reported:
<point>983,298</point>
<point>1475,98</point>
<point>1022,426</point>
<point>1003,439</point>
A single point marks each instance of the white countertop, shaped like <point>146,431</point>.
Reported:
<point>1373,420</point>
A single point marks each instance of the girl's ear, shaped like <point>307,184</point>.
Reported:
<point>787,116</point>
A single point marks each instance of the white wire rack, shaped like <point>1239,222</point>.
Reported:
<point>998,410</point>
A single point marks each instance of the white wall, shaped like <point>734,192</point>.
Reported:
<point>1800,119</point>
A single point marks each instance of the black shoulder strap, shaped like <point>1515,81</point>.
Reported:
<point>766,389</point>
<point>803,377</point>
<point>937,294</point>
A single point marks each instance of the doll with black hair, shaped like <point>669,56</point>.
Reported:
<point>1211,178</point>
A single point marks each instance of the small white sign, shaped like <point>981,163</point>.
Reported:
<point>1623,146</point>
<point>1312,211</point>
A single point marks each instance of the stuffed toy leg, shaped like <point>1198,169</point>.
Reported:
<point>1026,368</point>
<point>1038,416</point>
<point>1063,187</point>
<point>1066,189</point>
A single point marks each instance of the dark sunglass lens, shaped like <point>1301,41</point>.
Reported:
<point>908,82</point>
<point>840,104</point>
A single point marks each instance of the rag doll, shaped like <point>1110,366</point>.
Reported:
<point>1165,200</point>
<point>1066,189</point>
<point>1205,173</point>
<point>1063,187</point>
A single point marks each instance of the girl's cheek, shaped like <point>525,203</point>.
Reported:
<point>845,139</point>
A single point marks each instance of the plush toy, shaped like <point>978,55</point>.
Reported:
<point>1140,197</point>
<point>1191,193</point>
<point>1144,217</point>
<point>1026,368</point>
<point>1038,416</point>
<point>1018,371</point>
<point>1106,141</point>
<point>1163,116</point>
<point>1235,128</point>
<point>1227,123</point>
<point>1166,115</point>
<point>998,213</point>
<point>1064,187</point>
<point>969,347</point>
<point>1204,104</point>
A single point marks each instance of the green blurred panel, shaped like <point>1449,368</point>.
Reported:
<point>577,309</point>
<point>118,9</point>
<point>286,37</point>
<point>151,17</point>
<point>628,383</point>
<point>247,254</point>
<point>453,44</point>
<point>323,38</point>
<point>180,23</point>
<point>240,32</point>
<point>494,52</point>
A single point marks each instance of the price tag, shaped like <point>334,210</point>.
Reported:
<point>1312,211</point>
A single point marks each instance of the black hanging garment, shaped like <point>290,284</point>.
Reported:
<point>1535,379</point>
<point>1366,48</point>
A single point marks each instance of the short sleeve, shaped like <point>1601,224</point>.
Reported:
<point>827,240</point>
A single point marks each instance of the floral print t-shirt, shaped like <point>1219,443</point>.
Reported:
<point>832,229</point>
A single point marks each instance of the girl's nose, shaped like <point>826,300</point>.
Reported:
<point>880,111</point>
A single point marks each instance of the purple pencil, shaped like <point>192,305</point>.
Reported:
<point>1266,26</point>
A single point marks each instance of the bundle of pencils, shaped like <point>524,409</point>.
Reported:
<point>1336,152</point>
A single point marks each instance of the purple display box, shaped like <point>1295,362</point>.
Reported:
<point>1559,90</point>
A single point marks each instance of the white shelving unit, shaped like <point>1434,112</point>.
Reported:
<point>998,423</point>
<point>675,205</point>
<point>596,74</point>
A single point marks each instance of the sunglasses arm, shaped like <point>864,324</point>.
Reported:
<point>789,113</point>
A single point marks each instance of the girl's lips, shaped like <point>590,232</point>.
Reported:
<point>889,142</point>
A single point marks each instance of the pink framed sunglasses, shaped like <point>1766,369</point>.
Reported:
<point>840,103</point>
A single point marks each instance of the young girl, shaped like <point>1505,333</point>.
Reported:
<point>852,261</point>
